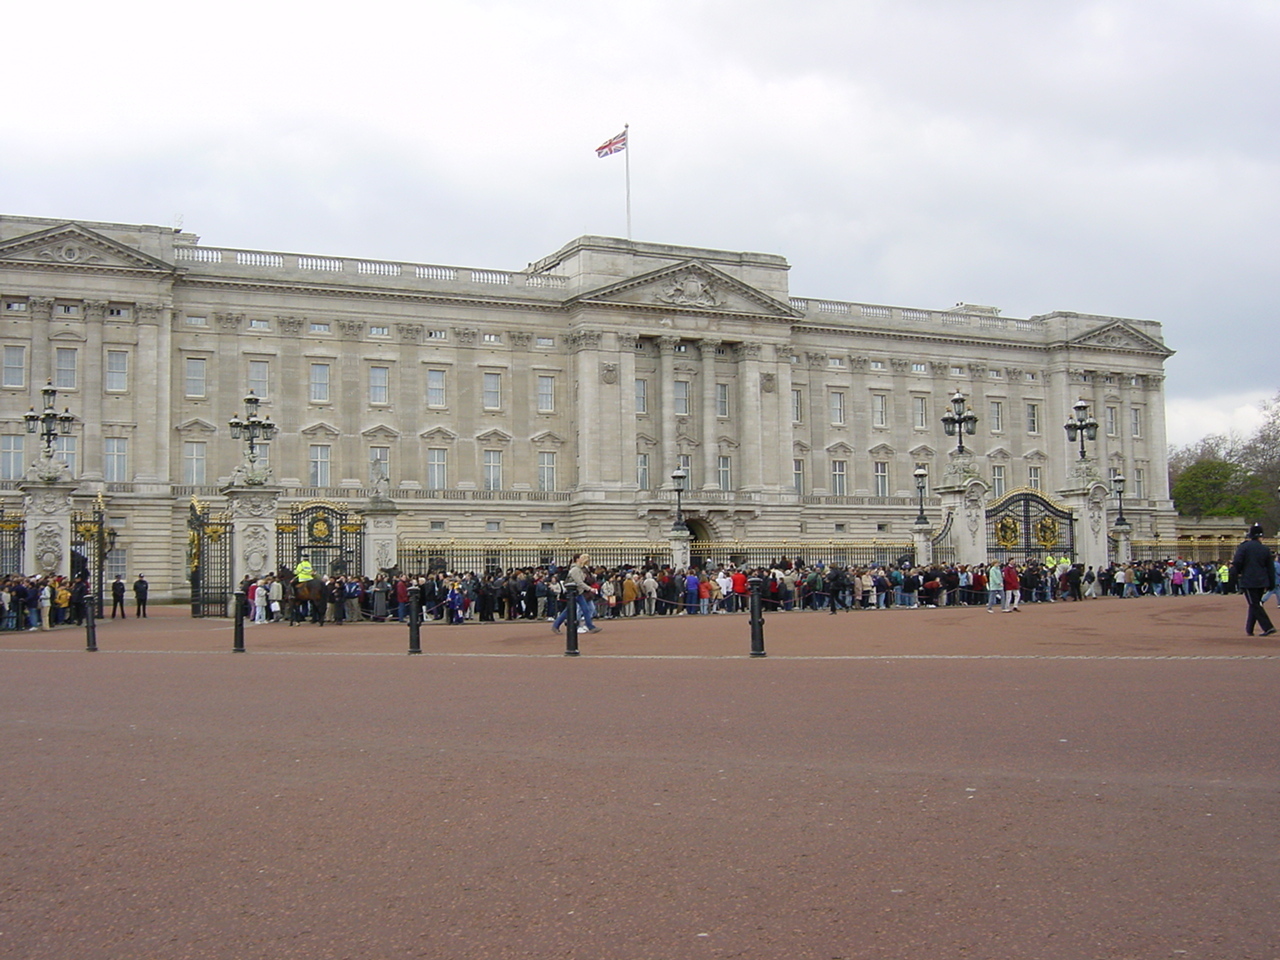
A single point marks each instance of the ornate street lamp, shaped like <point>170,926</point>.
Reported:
<point>921,475</point>
<point>678,477</point>
<point>1118,482</point>
<point>959,420</point>
<point>50,423</point>
<point>252,429</point>
<point>1081,425</point>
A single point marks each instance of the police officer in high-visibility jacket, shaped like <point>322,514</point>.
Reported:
<point>303,570</point>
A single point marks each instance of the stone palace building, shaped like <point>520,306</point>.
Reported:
<point>550,402</point>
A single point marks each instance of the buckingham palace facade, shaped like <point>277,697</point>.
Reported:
<point>554,401</point>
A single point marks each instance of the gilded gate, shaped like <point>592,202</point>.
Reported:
<point>1025,524</point>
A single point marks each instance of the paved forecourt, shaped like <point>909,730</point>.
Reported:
<point>1086,780</point>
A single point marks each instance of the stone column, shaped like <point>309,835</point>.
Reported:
<point>1088,502</point>
<point>751,471</point>
<point>47,503</point>
<point>667,415</point>
<point>964,498</point>
<point>710,449</point>
<point>586,347</point>
<point>922,538</point>
<point>90,374</point>
<point>253,528</point>
<point>1124,542</point>
<point>381,537</point>
<point>680,552</point>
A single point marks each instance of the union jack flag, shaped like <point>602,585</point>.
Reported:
<point>613,145</point>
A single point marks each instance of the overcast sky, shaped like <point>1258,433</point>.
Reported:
<point>1118,158</point>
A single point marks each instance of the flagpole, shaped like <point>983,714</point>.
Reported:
<point>626,132</point>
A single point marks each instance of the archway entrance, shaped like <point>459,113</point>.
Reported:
<point>699,533</point>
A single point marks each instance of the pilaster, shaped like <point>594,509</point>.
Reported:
<point>253,529</point>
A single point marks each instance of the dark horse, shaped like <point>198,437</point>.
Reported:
<point>305,598</point>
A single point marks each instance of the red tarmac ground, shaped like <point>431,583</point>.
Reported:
<point>1095,780</point>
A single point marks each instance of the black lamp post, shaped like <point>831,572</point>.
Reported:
<point>959,420</point>
<point>921,475</point>
<point>678,477</point>
<point>1081,425</point>
<point>50,422</point>
<point>252,429</point>
<point>1118,482</point>
<point>93,529</point>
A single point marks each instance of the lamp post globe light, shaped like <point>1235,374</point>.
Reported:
<point>921,475</point>
<point>959,420</point>
<point>1081,425</point>
<point>50,424</point>
<point>252,429</point>
<point>1118,482</point>
<point>678,478</point>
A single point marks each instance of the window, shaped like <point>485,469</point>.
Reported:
<point>919,368</point>
<point>879,410</point>
<point>1112,420</point>
<point>319,383</point>
<point>437,468</point>
<point>260,378</point>
<point>996,414</point>
<point>880,475</point>
<point>197,321</point>
<point>1035,479</point>
<point>547,526</point>
<point>15,366</point>
<point>836,398</point>
<point>642,470</point>
<point>877,364</point>
<point>380,385</point>
<point>546,470</point>
<point>797,475</point>
<point>492,395</point>
<point>115,460</point>
<point>317,327</point>
<point>642,396</point>
<point>436,396</point>
<point>546,394</point>
<point>685,462</point>
<point>797,406</point>
<point>724,476</point>
<point>544,342</point>
<point>1033,418</point>
<point>437,526</point>
<point>16,306</point>
<point>68,309</point>
<point>920,412</point>
<point>995,374</point>
<point>194,383</point>
<point>318,457</point>
<point>117,564</point>
<point>437,335</point>
<point>840,478</point>
<point>1140,484</point>
<point>1135,422</point>
<point>492,338</point>
<point>957,371</point>
<point>722,400</point>
<point>997,480</point>
<point>259,324</point>
<point>493,526</point>
<point>193,461</point>
<point>836,362</point>
<point>11,459</point>
<point>379,331</point>
<point>379,463</point>
<point>682,398</point>
<point>493,470</point>
<point>64,369</point>
<point>64,449</point>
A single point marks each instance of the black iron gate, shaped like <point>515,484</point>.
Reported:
<point>944,550</point>
<point>209,555</point>
<point>331,538</point>
<point>1027,525</point>
<point>13,537</point>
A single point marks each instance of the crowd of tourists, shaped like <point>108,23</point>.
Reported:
<point>787,584</point>
<point>44,603</point>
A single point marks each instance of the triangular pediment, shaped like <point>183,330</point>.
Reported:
<point>644,440</point>
<point>840,449</point>
<point>727,443</point>
<point>1035,456</point>
<point>881,450</point>
<point>320,429</point>
<point>689,287</point>
<point>494,436</point>
<point>195,425</point>
<point>438,435</point>
<point>923,452</point>
<point>74,246</point>
<point>380,432</point>
<point>999,453</point>
<point>547,438</point>
<point>800,448</point>
<point>1119,335</point>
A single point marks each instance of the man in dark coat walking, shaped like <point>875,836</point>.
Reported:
<point>1255,570</point>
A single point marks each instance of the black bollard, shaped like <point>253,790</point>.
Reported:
<point>90,628</point>
<point>571,619</point>
<point>415,635</point>
<point>237,645</point>
<point>757,617</point>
